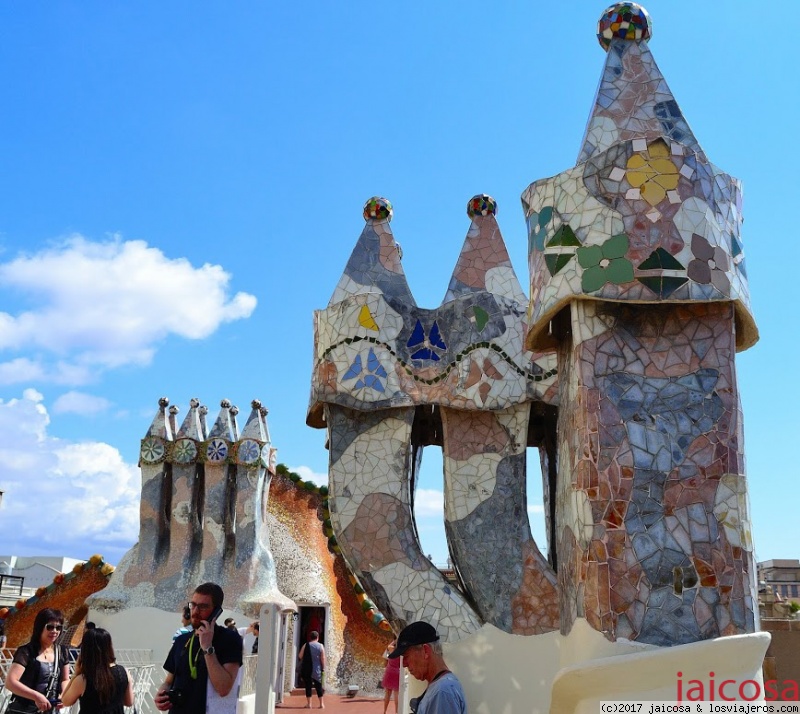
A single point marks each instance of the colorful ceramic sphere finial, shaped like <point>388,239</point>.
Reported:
<point>626,21</point>
<point>377,208</point>
<point>481,205</point>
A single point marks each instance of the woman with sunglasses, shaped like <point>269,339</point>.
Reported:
<point>102,685</point>
<point>40,668</point>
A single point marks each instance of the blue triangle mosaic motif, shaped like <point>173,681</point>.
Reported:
<point>355,369</point>
<point>373,376</point>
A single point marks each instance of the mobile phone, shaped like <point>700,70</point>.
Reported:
<point>212,618</point>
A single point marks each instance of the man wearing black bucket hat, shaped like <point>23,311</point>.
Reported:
<point>421,650</point>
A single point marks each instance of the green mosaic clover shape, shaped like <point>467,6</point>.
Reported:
<point>605,263</point>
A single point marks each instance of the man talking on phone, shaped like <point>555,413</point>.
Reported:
<point>202,665</point>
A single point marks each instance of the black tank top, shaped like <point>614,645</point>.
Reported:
<point>90,703</point>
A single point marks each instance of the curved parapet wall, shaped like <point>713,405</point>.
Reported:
<point>310,571</point>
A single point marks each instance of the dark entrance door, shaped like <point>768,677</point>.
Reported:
<point>311,619</point>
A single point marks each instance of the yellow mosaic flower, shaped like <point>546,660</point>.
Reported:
<point>653,173</point>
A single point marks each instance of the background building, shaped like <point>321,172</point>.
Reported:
<point>38,570</point>
<point>783,576</point>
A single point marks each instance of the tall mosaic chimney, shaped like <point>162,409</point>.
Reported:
<point>638,282</point>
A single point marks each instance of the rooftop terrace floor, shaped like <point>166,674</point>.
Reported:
<point>337,703</point>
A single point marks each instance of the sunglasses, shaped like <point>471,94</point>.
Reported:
<point>53,628</point>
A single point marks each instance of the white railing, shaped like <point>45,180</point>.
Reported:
<point>6,657</point>
<point>142,677</point>
<point>134,658</point>
<point>247,680</point>
<point>138,664</point>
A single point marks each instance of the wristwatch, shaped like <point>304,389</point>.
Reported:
<point>209,651</point>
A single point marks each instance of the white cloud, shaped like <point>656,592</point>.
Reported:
<point>308,474</point>
<point>62,497</point>
<point>20,370</point>
<point>105,305</point>
<point>80,403</point>
<point>25,369</point>
<point>428,502</point>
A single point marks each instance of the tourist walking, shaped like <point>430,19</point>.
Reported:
<point>312,667</point>
<point>391,677</point>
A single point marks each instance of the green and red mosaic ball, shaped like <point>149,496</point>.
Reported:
<point>481,205</point>
<point>626,21</point>
<point>377,208</point>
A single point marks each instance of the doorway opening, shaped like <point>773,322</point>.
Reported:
<point>311,618</point>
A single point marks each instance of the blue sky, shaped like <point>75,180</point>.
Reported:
<point>181,185</point>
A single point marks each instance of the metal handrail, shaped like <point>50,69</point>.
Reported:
<point>17,582</point>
